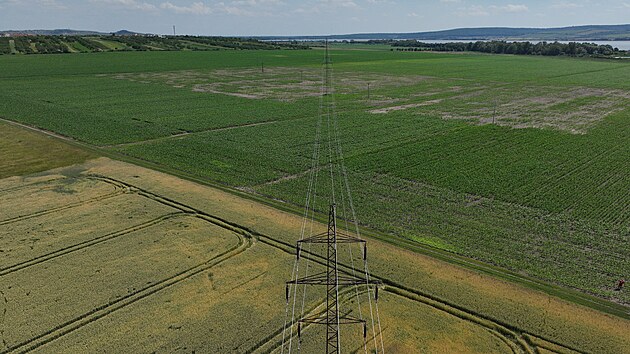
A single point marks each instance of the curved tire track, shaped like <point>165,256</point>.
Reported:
<point>99,312</point>
<point>505,332</point>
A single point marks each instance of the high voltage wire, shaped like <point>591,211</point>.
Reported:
<point>331,278</point>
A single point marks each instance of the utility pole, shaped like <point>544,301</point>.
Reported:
<point>174,33</point>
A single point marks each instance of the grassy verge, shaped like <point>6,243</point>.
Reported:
<point>24,152</point>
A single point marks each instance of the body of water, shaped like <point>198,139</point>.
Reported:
<point>623,45</point>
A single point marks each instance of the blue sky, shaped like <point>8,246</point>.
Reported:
<point>285,17</point>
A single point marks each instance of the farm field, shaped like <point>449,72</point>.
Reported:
<point>149,262</point>
<point>24,152</point>
<point>542,191</point>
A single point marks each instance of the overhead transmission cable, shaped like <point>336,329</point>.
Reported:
<point>310,206</point>
<point>345,182</point>
<point>338,174</point>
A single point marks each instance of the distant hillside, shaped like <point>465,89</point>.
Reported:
<point>55,32</point>
<point>577,33</point>
<point>66,32</point>
<point>38,44</point>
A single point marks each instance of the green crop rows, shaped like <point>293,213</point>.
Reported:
<point>544,191</point>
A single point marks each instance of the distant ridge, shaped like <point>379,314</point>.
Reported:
<point>575,33</point>
<point>68,32</point>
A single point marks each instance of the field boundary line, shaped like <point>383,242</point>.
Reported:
<point>570,295</point>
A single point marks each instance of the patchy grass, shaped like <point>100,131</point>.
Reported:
<point>276,83</point>
<point>24,152</point>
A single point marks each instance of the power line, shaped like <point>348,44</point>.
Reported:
<point>331,278</point>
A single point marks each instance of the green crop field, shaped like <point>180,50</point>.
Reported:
<point>520,162</point>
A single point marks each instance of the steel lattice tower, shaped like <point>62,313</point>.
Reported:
<point>333,281</point>
<point>332,277</point>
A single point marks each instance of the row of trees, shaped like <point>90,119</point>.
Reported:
<point>503,47</point>
<point>66,44</point>
<point>5,47</point>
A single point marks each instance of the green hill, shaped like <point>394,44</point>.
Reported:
<point>575,33</point>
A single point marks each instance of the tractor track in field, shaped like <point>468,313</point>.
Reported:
<point>189,133</point>
<point>119,189</point>
<point>110,307</point>
<point>512,336</point>
<point>508,332</point>
<point>91,242</point>
<point>27,185</point>
<point>245,242</point>
<point>551,182</point>
<point>511,333</point>
<point>65,207</point>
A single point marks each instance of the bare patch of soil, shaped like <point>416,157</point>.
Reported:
<point>278,83</point>
<point>573,110</point>
<point>404,106</point>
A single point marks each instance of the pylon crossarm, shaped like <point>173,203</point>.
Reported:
<point>323,238</point>
<point>321,279</point>
<point>344,238</point>
<point>314,279</point>
<point>343,320</point>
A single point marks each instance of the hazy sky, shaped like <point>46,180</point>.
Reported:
<point>282,17</point>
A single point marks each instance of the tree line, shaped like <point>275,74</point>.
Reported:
<point>503,47</point>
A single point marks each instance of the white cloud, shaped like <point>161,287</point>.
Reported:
<point>233,8</point>
<point>129,4</point>
<point>450,1</point>
<point>52,3</point>
<point>329,5</point>
<point>238,11</point>
<point>340,3</point>
<point>196,8</point>
<point>474,11</point>
<point>477,10</point>
<point>565,5</point>
<point>511,8</point>
<point>257,2</point>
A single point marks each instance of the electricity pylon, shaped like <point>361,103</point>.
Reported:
<point>333,281</point>
<point>332,278</point>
